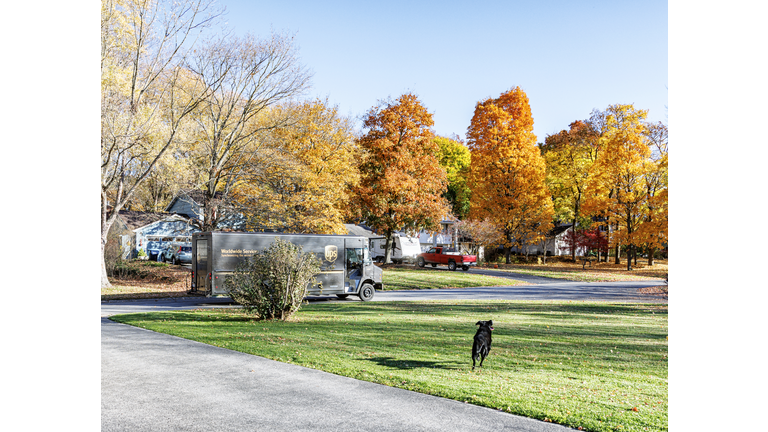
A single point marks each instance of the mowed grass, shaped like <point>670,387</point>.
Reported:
<point>598,366</point>
<point>406,279</point>
<point>563,268</point>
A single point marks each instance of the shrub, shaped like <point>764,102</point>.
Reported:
<point>273,283</point>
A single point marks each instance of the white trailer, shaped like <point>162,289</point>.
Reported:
<point>404,249</point>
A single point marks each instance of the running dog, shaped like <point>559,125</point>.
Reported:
<point>482,345</point>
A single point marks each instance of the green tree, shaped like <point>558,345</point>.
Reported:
<point>455,159</point>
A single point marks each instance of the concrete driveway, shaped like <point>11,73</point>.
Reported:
<point>155,382</point>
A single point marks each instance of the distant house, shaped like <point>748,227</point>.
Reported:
<point>555,245</point>
<point>444,237</point>
<point>191,204</point>
<point>151,231</point>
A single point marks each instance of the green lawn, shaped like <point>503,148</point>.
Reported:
<point>403,279</point>
<point>598,366</point>
<point>580,275</point>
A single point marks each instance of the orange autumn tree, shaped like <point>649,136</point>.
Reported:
<point>507,173</point>
<point>402,182</point>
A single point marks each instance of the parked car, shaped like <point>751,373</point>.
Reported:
<point>155,254</point>
<point>178,254</point>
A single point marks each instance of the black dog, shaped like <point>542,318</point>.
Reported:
<point>482,345</point>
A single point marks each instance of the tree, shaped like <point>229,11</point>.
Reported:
<point>146,96</point>
<point>507,175</point>
<point>401,182</point>
<point>617,179</point>
<point>482,233</point>
<point>569,156</point>
<point>313,165</point>
<point>455,158</point>
<point>244,77</point>
<point>653,231</point>
<point>273,283</point>
<point>592,239</point>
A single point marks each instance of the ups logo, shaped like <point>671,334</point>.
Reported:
<point>331,253</point>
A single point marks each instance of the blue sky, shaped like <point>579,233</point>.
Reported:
<point>569,57</point>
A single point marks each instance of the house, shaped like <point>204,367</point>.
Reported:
<point>151,232</point>
<point>190,203</point>
<point>444,237</point>
<point>555,244</point>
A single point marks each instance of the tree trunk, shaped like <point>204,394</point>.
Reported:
<point>617,258</point>
<point>651,253</point>
<point>106,224</point>
<point>388,248</point>
<point>104,279</point>
<point>573,250</point>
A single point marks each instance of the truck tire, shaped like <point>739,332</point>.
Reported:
<point>434,265</point>
<point>451,265</point>
<point>465,268</point>
<point>420,262</point>
<point>366,292</point>
<point>342,296</point>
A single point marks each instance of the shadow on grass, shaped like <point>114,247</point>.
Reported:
<point>408,364</point>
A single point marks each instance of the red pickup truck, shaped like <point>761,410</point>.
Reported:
<point>442,255</point>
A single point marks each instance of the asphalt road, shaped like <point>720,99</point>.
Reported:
<point>155,382</point>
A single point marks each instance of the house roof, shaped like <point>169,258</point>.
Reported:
<point>137,219</point>
<point>195,195</point>
<point>559,230</point>
<point>360,230</point>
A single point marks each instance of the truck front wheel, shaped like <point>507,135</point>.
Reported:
<point>452,265</point>
<point>420,262</point>
<point>366,292</point>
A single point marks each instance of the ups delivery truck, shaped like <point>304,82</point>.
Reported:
<point>346,269</point>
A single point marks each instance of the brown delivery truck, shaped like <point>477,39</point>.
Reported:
<point>347,268</point>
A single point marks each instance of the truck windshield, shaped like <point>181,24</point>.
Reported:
<point>356,256</point>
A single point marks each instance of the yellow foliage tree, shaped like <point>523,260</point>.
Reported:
<point>507,175</point>
<point>617,183</point>
<point>653,232</point>
<point>307,168</point>
<point>402,182</point>
<point>569,155</point>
